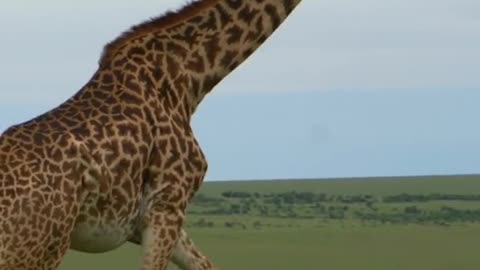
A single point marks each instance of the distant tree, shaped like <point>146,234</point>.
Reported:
<point>370,206</point>
<point>336,212</point>
<point>319,208</point>
<point>202,223</point>
<point>235,209</point>
<point>412,210</point>
<point>236,194</point>
<point>234,224</point>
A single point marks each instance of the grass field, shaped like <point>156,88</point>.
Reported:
<point>463,184</point>
<point>320,242</point>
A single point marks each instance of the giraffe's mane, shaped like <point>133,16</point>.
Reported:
<point>190,9</point>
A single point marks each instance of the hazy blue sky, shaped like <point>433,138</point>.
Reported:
<point>344,88</point>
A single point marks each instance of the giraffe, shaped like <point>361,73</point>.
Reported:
<point>118,161</point>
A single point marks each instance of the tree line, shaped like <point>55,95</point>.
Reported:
<point>310,205</point>
<point>295,197</point>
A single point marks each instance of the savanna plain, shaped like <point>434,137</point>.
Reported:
<point>427,223</point>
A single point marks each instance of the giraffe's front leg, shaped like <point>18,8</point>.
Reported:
<point>175,174</point>
<point>160,233</point>
<point>188,257</point>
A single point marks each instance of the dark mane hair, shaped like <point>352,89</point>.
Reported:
<point>189,10</point>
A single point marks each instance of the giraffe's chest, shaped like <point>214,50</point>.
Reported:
<point>104,224</point>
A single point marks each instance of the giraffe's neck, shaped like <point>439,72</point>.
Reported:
<point>202,43</point>
<point>230,32</point>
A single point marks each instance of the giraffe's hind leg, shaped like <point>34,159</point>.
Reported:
<point>35,235</point>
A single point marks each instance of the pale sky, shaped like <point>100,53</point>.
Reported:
<point>335,50</point>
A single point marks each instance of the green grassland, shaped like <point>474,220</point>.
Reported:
<point>462,184</point>
<point>428,223</point>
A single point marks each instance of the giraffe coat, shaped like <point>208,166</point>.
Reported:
<point>118,161</point>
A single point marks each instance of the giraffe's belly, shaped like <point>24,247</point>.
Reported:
<point>103,229</point>
<point>97,239</point>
